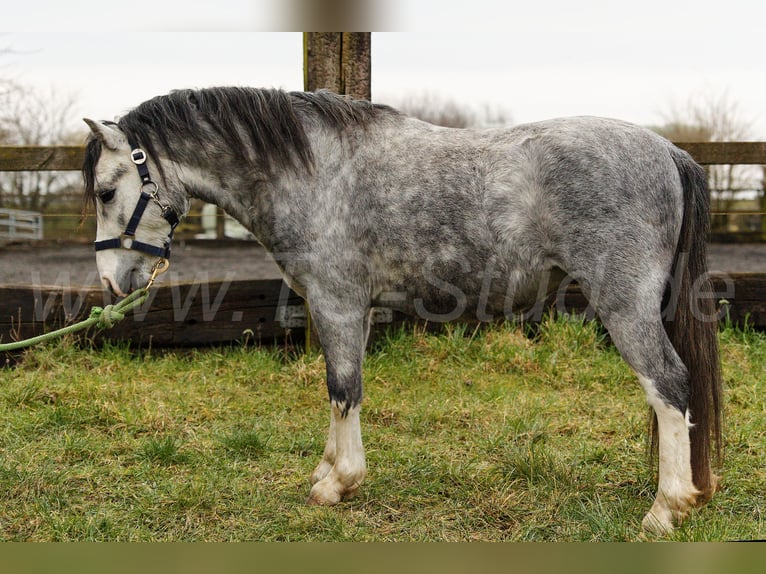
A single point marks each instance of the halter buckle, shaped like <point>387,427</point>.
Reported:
<point>126,241</point>
<point>138,156</point>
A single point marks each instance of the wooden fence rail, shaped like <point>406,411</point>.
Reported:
<point>734,153</point>
<point>18,224</point>
<point>70,158</point>
<point>213,313</point>
<point>41,158</point>
<point>266,311</point>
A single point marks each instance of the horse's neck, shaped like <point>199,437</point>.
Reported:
<point>247,197</point>
<point>258,200</point>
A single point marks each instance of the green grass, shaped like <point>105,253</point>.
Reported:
<point>470,435</point>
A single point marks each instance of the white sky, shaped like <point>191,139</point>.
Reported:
<point>533,58</point>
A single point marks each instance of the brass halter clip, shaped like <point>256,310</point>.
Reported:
<point>159,268</point>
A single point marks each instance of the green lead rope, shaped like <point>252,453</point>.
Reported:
<point>100,317</point>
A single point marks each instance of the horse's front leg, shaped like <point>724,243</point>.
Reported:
<point>340,479</point>
<point>328,457</point>
<point>342,469</point>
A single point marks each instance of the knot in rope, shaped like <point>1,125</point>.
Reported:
<point>107,316</point>
<point>100,317</point>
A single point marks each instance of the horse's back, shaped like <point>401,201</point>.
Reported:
<point>577,184</point>
<point>455,217</point>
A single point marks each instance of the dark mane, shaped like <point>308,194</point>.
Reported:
<point>262,126</point>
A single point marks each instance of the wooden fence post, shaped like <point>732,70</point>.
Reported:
<point>321,61</point>
<point>339,62</point>
<point>220,223</point>
<point>762,227</point>
<point>356,68</point>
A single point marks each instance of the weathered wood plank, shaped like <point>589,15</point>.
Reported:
<point>356,65</point>
<point>41,158</point>
<point>219,313</point>
<point>738,153</point>
<point>175,315</point>
<point>70,158</point>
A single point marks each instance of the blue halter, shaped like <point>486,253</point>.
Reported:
<point>149,189</point>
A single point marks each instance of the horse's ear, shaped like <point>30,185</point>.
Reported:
<point>111,137</point>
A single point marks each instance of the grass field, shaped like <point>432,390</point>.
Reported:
<point>488,435</point>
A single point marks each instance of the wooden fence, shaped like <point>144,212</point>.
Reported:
<point>266,310</point>
<point>17,224</point>
<point>753,228</point>
<point>69,158</point>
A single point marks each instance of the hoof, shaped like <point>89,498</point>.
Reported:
<point>659,526</point>
<point>314,500</point>
<point>328,492</point>
<point>706,495</point>
<point>322,495</point>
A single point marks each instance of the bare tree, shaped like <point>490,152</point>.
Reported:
<point>7,86</point>
<point>29,117</point>
<point>446,112</point>
<point>716,118</point>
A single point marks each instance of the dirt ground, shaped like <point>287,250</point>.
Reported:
<point>73,265</point>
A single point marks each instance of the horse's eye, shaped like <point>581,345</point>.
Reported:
<point>107,195</point>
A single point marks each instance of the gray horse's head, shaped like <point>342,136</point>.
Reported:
<point>203,137</point>
<point>115,186</point>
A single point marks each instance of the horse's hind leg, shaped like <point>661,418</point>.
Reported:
<point>676,493</point>
<point>634,323</point>
<point>343,335</point>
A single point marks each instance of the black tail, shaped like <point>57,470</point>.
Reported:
<point>693,327</point>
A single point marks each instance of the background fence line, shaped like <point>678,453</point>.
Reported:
<point>251,309</point>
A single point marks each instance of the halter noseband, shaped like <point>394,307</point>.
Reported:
<point>149,189</point>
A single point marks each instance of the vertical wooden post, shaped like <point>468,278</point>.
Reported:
<point>339,62</point>
<point>763,203</point>
<point>220,223</point>
<point>321,61</point>
<point>356,65</point>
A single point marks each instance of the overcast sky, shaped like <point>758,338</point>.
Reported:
<point>533,59</point>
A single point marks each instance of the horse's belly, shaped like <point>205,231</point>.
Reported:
<point>482,296</point>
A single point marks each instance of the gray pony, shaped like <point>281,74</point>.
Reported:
<point>362,206</point>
